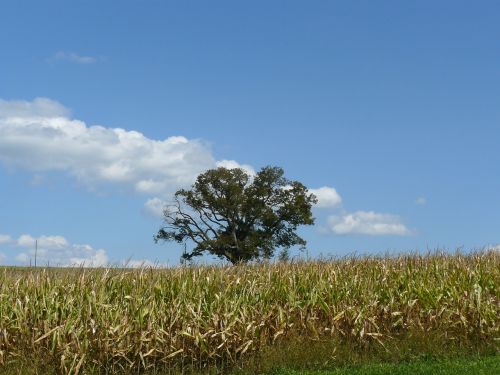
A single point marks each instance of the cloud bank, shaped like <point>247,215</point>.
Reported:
<point>39,136</point>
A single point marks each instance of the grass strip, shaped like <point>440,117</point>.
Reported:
<point>456,366</point>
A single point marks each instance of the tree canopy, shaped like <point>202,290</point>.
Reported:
<point>238,217</point>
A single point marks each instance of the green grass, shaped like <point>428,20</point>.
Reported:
<point>461,366</point>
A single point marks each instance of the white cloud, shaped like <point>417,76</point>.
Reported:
<point>154,207</point>
<point>232,164</point>
<point>57,251</point>
<point>39,107</point>
<point>368,223</point>
<point>91,258</point>
<point>39,136</point>
<point>327,197</point>
<point>73,57</point>
<point>4,239</point>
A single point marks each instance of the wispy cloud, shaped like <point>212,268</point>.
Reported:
<point>73,58</point>
<point>421,201</point>
<point>154,207</point>
<point>5,239</point>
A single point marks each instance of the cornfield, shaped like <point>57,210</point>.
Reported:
<point>147,320</point>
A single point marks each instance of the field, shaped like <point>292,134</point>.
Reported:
<point>260,318</point>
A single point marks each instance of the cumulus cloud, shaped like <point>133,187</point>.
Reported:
<point>39,107</point>
<point>232,164</point>
<point>5,239</point>
<point>73,57</point>
<point>57,251</point>
<point>39,136</point>
<point>368,223</point>
<point>327,197</point>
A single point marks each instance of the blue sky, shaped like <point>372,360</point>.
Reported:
<point>393,107</point>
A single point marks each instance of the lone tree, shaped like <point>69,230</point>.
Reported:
<point>237,217</point>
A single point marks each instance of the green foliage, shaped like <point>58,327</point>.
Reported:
<point>236,217</point>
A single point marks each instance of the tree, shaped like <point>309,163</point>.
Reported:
<point>238,217</point>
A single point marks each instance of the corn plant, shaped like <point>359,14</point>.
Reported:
<point>121,320</point>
